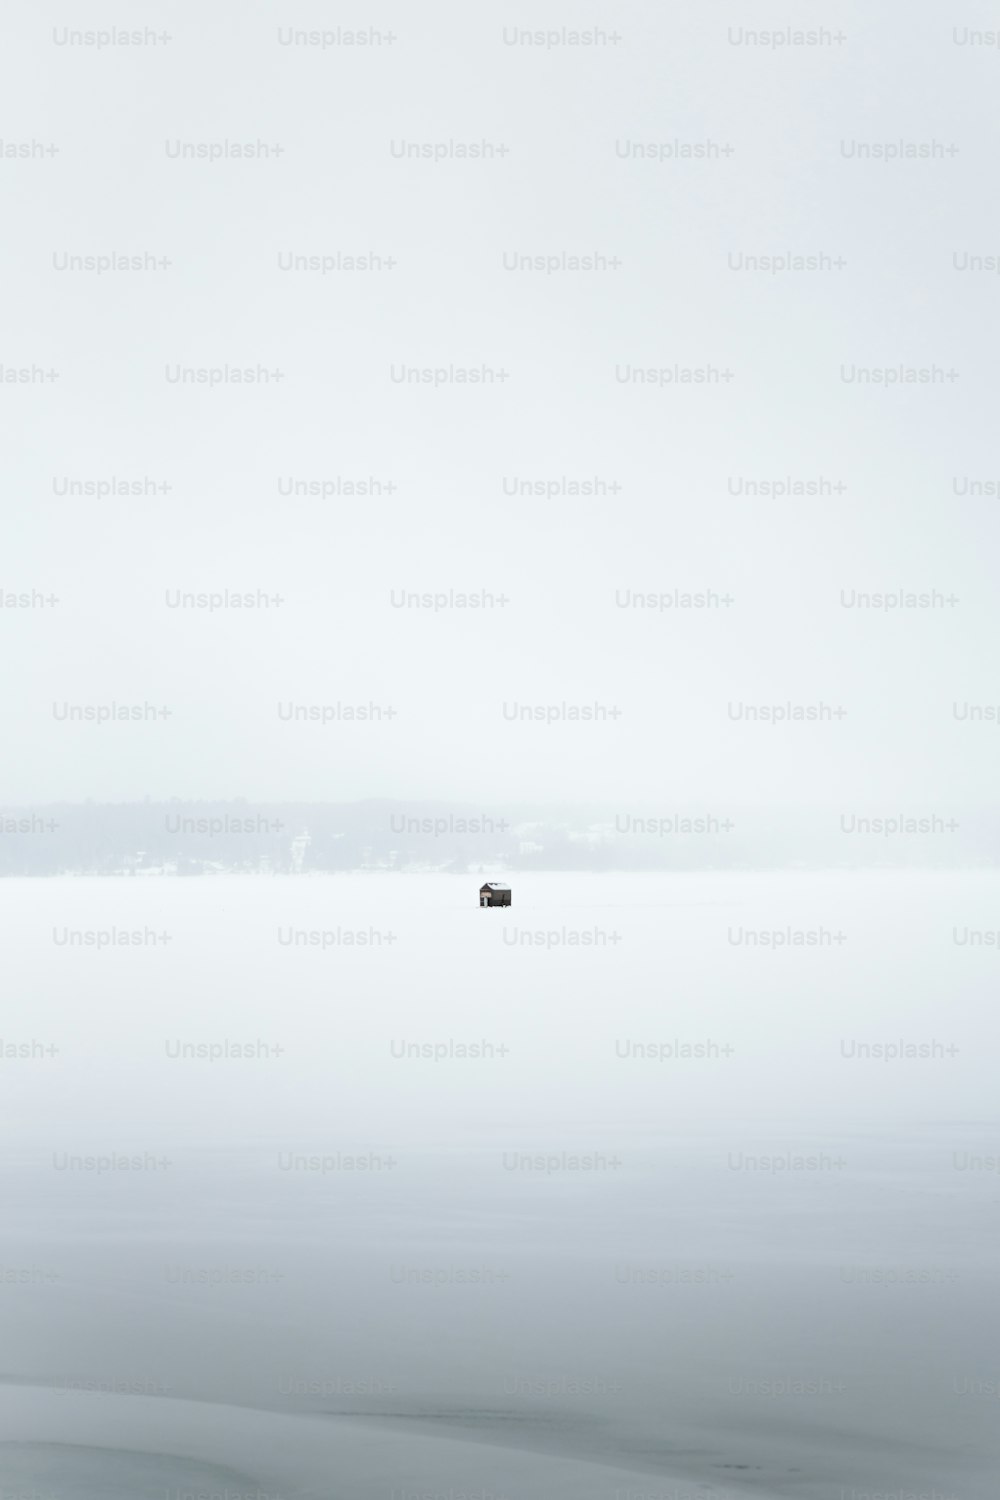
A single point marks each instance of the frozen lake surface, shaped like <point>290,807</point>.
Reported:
<point>666,1186</point>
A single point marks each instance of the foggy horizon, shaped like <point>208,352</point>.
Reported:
<point>499,803</point>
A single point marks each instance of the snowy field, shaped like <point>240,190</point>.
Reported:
<point>667,1186</point>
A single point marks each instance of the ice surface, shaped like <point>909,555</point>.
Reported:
<point>351,1269</point>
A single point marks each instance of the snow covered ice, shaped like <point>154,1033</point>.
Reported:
<point>604,1195</point>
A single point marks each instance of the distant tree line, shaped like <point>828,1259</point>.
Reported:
<point>196,838</point>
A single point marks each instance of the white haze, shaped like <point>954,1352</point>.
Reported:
<point>897,523</point>
<point>756,1262</point>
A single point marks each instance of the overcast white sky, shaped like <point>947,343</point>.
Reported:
<point>684,73</point>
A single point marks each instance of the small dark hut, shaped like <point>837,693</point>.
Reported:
<point>494,894</point>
